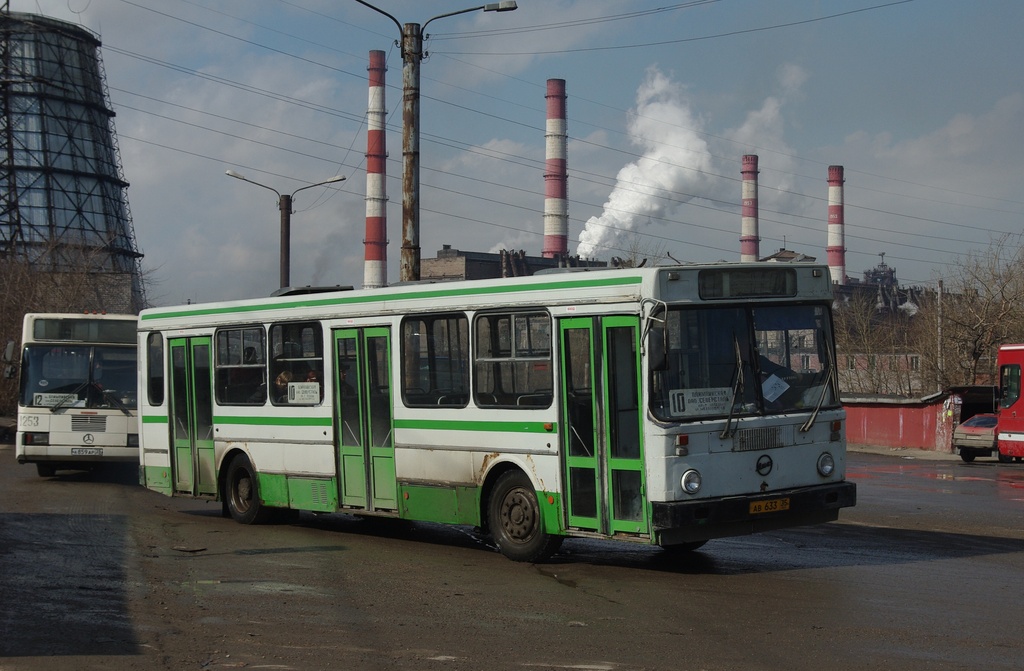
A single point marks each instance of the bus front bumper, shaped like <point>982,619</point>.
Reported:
<point>689,521</point>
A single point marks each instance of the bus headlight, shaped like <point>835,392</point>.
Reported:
<point>690,481</point>
<point>826,464</point>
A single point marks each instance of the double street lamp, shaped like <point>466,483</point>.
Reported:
<point>412,54</point>
<point>284,203</point>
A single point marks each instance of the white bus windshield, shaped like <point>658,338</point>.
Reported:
<point>78,376</point>
<point>764,360</point>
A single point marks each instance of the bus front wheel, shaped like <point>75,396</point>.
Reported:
<point>243,492</point>
<point>515,523</point>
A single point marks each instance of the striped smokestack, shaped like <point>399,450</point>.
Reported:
<point>556,210</point>
<point>749,239</point>
<point>836,236</point>
<point>375,264</point>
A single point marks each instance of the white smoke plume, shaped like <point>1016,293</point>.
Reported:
<point>671,170</point>
<point>676,165</point>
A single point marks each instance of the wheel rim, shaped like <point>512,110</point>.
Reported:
<point>518,515</point>
<point>242,492</point>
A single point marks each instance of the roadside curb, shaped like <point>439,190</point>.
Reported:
<point>904,452</point>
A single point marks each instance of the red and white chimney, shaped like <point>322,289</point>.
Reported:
<point>375,263</point>
<point>749,239</point>
<point>556,209</point>
<point>836,236</point>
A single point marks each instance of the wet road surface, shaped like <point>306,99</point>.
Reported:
<point>96,572</point>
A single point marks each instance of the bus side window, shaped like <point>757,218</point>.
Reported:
<point>297,352</point>
<point>241,371</point>
<point>155,368</point>
<point>435,360</point>
<point>1009,383</point>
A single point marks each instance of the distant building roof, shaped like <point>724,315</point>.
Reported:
<point>789,256</point>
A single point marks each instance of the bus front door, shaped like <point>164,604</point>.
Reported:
<point>602,450</point>
<point>366,447</point>
<point>191,409</point>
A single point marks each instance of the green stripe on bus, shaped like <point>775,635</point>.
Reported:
<point>273,421</point>
<point>154,419</point>
<point>376,296</point>
<point>471,425</point>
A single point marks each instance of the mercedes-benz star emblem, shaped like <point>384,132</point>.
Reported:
<point>764,465</point>
<point>89,440</point>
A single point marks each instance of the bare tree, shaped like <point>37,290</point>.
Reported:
<point>982,306</point>
<point>875,354</point>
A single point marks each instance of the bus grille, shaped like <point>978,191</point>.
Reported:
<point>89,424</point>
<point>764,438</point>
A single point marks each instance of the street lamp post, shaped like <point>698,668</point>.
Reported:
<point>412,54</point>
<point>284,203</point>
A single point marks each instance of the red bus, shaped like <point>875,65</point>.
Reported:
<point>1010,428</point>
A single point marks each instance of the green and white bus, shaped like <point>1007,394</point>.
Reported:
<point>77,391</point>
<point>667,405</point>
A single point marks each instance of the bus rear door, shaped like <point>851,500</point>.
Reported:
<point>191,412</point>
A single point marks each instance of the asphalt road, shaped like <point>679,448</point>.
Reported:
<point>99,573</point>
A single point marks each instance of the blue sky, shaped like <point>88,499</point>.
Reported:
<point>921,101</point>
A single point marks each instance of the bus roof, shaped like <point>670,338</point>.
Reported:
<point>575,286</point>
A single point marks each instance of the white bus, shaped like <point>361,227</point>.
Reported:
<point>77,391</point>
<point>667,405</point>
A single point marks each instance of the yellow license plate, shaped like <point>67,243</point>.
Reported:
<point>769,506</point>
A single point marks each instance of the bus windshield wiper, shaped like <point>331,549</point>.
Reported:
<point>830,379</point>
<point>737,387</point>
<point>108,394</point>
<point>69,398</point>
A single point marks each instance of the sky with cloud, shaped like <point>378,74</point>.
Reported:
<point>921,102</point>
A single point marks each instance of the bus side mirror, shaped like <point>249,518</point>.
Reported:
<point>9,352</point>
<point>9,371</point>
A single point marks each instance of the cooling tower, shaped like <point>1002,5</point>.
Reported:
<point>63,201</point>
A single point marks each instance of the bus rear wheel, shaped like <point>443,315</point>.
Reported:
<point>514,519</point>
<point>242,493</point>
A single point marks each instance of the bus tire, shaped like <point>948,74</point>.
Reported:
<point>968,457</point>
<point>1005,458</point>
<point>515,522</point>
<point>242,492</point>
<point>46,470</point>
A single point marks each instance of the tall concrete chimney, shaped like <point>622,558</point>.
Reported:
<point>375,263</point>
<point>749,239</point>
<point>556,209</point>
<point>836,236</point>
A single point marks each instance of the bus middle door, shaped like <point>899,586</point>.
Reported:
<point>601,450</point>
<point>191,411</point>
<point>365,432</point>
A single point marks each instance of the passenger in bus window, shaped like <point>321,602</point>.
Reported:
<point>343,386</point>
<point>314,376</point>
<point>281,386</point>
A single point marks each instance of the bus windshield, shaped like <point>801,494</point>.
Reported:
<point>742,361</point>
<point>78,376</point>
